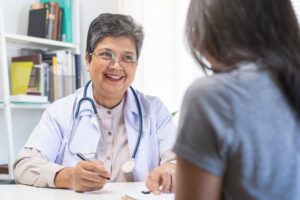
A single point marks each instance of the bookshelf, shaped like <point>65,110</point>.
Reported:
<point>38,42</point>
<point>6,41</point>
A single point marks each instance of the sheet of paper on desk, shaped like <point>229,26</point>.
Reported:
<point>163,196</point>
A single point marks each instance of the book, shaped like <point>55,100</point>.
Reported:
<point>77,58</point>
<point>28,98</point>
<point>27,78</point>
<point>46,67</point>
<point>59,24</point>
<point>66,5</point>
<point>35,58</point>
<point>4,169</point>
<point>37,25</point>
<point>36,84</point>
<point>53,18</point>
<point>36,81</point>
<point>20,76</point>
<point>51,60</point>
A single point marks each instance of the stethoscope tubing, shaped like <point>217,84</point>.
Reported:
<point>85,98</point>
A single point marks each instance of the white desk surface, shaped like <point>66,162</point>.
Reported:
<point>111,191</point>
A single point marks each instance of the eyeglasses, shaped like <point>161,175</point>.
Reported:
<point>108,59</point>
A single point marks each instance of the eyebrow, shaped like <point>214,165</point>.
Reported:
<point>125,52</point>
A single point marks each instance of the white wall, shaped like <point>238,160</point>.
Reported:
<point>16,15</point>
<point>88,11</point>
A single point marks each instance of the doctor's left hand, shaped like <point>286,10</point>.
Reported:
<point>162,175</point>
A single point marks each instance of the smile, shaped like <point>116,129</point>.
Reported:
<point>114,77</point>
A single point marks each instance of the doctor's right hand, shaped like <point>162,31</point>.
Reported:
<point>85,176</point>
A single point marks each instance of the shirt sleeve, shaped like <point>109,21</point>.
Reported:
<point>205,127</point>
<point>47,136</point>
<point>33,168</point>
<point>168,157</point>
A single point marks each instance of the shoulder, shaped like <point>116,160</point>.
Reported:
<point>149,102</point>
<point>64,105</point>
<point>224,89</point>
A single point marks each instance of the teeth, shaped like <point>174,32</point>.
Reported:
<point>114,77</point>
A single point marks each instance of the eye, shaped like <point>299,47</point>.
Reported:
<point>128,59</point>
<point>106,55</point>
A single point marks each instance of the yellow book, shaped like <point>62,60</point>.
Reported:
<point>54,62</point>
<point>20,76</point>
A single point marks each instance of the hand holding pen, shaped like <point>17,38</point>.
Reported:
<point>82,157</point>
<point>89,175</point>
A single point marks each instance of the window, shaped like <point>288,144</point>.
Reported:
<point>296,4</point>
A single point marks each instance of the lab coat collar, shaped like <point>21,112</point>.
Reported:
<point>86,108</point>
<point>131,105</point>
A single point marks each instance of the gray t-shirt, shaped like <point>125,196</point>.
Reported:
<point>240,126</point>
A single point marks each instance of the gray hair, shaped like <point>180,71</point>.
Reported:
<point>114,25</point>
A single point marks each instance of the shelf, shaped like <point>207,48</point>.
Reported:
<point>29,105</point>
<point>20,105</point>
<point>23,39</point>
<point>4,177</point>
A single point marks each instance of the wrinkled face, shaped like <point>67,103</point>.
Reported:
<point>113,66</point>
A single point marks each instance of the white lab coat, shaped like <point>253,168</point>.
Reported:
<point>51,135</point>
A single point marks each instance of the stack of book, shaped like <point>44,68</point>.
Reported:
<point>51,20</point>
<point>45,77</point>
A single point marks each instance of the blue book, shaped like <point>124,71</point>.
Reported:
<point>78,70</point>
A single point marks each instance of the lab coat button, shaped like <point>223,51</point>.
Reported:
<point>109,133</point>
<point>108,112</point>
<point>108,158</point>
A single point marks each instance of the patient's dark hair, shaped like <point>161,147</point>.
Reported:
<point>113,25</point>
<point>233,31</point>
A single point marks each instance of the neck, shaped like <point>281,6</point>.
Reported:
<point>107,101</point>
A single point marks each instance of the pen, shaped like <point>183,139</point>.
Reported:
<point>82,157</point>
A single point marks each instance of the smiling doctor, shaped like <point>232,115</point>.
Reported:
<point>125,135</point>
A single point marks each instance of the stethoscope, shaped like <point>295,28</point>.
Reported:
<point>128,166</point>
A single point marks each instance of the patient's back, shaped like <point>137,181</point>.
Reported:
<point>240,125</point>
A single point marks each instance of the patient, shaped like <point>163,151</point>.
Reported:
<point>239,131</point>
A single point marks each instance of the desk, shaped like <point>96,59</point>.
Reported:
<point>111,191</point>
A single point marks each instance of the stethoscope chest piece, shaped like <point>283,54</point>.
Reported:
<point>128,166</point>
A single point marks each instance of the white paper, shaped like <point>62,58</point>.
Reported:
<point>162,196</point>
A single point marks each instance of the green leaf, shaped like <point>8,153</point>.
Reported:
<point>174,113</point>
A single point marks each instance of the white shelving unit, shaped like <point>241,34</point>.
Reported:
<point>6,40</point>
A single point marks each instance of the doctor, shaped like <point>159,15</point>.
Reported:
<point>125,135</point>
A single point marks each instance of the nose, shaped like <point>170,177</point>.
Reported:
<point>115,63</point>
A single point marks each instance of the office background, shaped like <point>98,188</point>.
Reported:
<point>165,68</point>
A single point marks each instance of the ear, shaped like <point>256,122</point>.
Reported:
<point>87,61</point>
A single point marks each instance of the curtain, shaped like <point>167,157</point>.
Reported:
<point>165,67</point>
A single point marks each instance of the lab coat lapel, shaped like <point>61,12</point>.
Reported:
<point>131,118</point>
<point>87,131</point>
